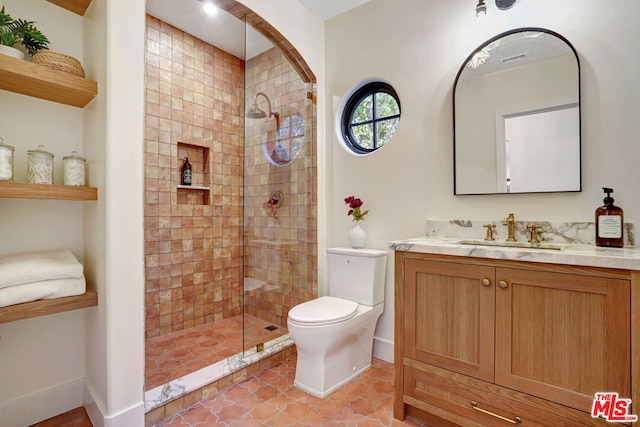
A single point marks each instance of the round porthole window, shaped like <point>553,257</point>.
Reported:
<point>368,116</point>
<point>285,144</point>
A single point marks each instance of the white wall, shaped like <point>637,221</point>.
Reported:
<point>419,46</point>
<point>115,331</point>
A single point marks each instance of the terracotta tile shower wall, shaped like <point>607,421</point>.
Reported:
<point>193,238</point>
<point>280,245</point>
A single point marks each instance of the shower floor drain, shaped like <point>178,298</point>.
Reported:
<point>271,327</point>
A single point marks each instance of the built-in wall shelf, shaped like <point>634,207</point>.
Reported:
<point>75,6</point>
<point>193,187</point>
<point>44,307</point>
<point>24,77</point>
<point>22,190</point>
<point>199,191</point>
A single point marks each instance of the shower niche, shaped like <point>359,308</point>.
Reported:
<point>198,192</point>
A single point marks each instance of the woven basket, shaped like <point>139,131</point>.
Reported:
<point>58,61</point>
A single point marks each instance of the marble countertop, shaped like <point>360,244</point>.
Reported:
<point>627,258</point>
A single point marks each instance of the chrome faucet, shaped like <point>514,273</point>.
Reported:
<point>510,222</point>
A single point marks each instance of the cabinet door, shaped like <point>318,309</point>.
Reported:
<point>562,337</point>
<point>449,316</point>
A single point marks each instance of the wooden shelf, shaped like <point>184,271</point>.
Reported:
<point>35,80</point>
<point>75,6</point>
<point>43,307</point>
<point>21,190</point>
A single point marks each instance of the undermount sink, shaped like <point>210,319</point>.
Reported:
<point>504,243</point>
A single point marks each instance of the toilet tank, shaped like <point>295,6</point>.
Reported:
<point>357,274</point>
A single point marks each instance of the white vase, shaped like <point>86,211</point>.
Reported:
<point>11,51</point>
<point>357,236</point>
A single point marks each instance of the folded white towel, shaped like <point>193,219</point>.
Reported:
<point>46,289</point>
<point>18,269</point>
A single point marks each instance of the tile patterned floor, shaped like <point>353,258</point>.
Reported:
<point>267,399</point>
<point>174,355</point>
<point>75,418</point>
<point>271,399</point>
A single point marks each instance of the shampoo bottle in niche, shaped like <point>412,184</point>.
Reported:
<point>186,172</point>
<point>609,223</point>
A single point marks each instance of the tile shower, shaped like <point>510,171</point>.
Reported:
<point>218,253</point>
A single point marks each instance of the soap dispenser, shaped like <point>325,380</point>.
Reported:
<point>186,172</point>
<point>609,223</point>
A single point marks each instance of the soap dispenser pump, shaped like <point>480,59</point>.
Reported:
<point>609,223</point>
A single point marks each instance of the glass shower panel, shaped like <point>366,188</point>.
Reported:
<point>279,213</point>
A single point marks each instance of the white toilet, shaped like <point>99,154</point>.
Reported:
<point>334,334</point>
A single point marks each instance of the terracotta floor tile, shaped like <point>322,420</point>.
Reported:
<point>258,402</point>
<point>231,413</point>
<point>265,411</point>
<point>267,392</point>
<point>238,393</point>
<point>365,402</point>
<point>174,355</point>
<point>75,418</point>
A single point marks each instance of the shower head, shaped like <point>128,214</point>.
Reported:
<point>256,113</point>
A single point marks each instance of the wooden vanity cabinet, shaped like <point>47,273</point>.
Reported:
<point>497,342</point>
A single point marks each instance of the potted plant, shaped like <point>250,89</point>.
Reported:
<point>19,31</point>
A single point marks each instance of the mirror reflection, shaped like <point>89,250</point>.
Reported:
<point>517,116</point>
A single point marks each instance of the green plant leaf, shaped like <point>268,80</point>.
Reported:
<point>14,31</point>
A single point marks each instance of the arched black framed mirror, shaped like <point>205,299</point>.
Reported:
<point>516,109</point>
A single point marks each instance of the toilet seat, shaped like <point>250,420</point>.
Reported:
<point>323,311</point>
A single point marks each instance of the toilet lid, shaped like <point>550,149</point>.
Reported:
<point>323,311</point>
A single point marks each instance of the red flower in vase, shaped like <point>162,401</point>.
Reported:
<point>354,208</point>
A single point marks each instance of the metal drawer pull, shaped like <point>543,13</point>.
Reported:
<point>503,284</point>
<point>486,282</point>
<point>516,420</point>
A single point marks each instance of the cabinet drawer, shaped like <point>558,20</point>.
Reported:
<point>452,394</point>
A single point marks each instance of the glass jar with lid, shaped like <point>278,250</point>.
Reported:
<point>74,169</point>
<point>39,166</point>
<point>6,161</point>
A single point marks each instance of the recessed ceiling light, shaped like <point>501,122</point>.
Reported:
<point>209,8</point>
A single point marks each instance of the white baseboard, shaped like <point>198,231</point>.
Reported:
<point>42,405</point>
<point>383,349</point>
<point>132,416</point>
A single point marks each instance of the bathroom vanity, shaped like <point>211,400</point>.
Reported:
<point>490,335</point>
